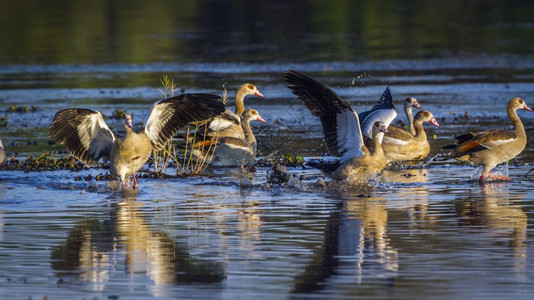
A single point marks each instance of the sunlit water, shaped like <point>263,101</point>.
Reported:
<point>426,232</point>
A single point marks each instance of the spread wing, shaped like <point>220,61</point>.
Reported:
<point>341,127</point>
<point>383,110</point>
<point>83,132</point>
<point>169,115</point>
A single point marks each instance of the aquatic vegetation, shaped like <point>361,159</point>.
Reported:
<point>187,164</point>
<point>44,162</point>
<point>21,109</point>
<point>288,160</point>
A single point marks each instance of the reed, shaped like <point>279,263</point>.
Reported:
<point>188,164</point>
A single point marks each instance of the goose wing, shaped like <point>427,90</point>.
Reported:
<point>84,133</point>
<point>224,121</point>
<point>397,136</point>
<point>383,110</point>
<point>341,127</point>
<point>485,140</point>
<point>169,115</point>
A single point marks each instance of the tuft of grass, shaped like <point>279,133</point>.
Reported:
<point>187,163</point>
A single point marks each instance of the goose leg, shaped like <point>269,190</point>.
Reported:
<point>490,177</point>
<point>499,178</point>
<point>135,182</point>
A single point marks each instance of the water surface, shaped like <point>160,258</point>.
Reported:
<point>429,231</point>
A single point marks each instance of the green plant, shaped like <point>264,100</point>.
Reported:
<point>188,161</point>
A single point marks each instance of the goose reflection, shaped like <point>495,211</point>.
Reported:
<point>92,253</point>
<point>355,242</point>
<point>502,214</point>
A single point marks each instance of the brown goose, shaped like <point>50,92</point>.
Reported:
<point>492,147</point>
<point>401,145</point>
<point>87,136</point>
<point>409,103</point>
<point>228,124</point>
<point>2,152</point>
<point>232,151</point>
<point>341,129</point>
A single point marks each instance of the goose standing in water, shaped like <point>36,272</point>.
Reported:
<point>492,147</point>
<point>234,151</point>
<point>228,124</point>
<point>88,138</point>
<point>409,104</point>
<point>341,129</point>
<point>2,152</point>
<point>401,145</point>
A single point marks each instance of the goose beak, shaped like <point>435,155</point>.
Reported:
<point>260,119</point>
<point>384,130</point>
<point>257,93</point>
<point>434,122</point>
<point>527,108</point>
<point>417,105</point>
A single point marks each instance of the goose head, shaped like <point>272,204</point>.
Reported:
<point>426,116</point>
<point>379,127</point>
<point>250,89</point>
<point>411,102</point>
<point>518,103</point>
<point>128,120</point>
<point>252,115</point>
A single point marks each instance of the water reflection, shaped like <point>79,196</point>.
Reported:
<point>502,214</point>
<point>355,244</point>
<point>93,250</point>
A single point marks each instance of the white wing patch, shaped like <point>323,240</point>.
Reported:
<point>219,124</point>
<point>159,115</point>
<point>394,141</point>
<point>349,135</point>
<point>496,143</point>
<point>385,115</point>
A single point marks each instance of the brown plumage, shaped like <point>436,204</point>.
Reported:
<point>86,135</point>
<point>492,147</point>
<point>341,129</point>
<point>401,145</point>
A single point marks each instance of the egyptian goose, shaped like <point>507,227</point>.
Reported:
<point>87,136</point>
<point>228,124</point>
<point>401,145</point>
<point>409,103</point>
<point>232,151</point>
<point>383,110</point>
<point>492,147</point>
<point>2,152</point>
<point>341,129</point>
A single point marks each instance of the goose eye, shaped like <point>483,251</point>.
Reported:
<point>250,86</point>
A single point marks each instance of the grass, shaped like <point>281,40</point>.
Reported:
<point>187,163</point>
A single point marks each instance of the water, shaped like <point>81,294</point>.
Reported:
<point>426,232</point>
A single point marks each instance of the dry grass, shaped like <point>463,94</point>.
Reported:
<point>187,163</point>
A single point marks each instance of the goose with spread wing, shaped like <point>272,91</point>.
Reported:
<point>492,147</point>
<point>341,129</point>
<point>87,136</point>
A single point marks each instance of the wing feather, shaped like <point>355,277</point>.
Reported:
<point>341,126</point>
<point>169,115</point>
<point>84,133</point>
